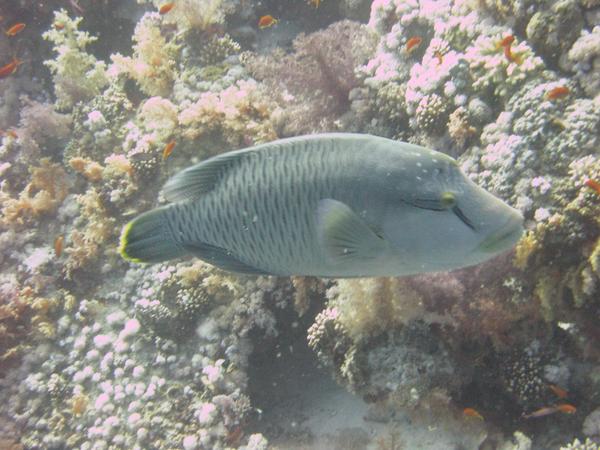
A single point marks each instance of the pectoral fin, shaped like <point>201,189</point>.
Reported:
<point>345,235</point>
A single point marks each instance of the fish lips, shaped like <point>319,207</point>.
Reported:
<point>505,237</point>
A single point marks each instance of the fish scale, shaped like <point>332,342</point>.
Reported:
<point>333,205</point>
<point>284,237</point>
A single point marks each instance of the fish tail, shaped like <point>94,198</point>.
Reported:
<point>147,239</point>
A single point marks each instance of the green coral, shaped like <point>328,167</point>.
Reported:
<point>77,75</point>
<point>553,31</point>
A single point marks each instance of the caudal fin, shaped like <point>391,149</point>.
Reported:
<point>147,239</point>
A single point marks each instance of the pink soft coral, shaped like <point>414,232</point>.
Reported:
<point>315,80</point>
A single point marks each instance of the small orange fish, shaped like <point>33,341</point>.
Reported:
<point>164,9</point>
<point>59,26</point>
<point>168,150</point>
<point>545,411</point>
<point>511,56</point>
<point>15,29</point>
<point>267,21</point>
<point>471,412</point>
<point>566,408</point>
<point>558,391</point>
<point>505,42</point>
<point>10,68</point>
<point>58,245</point>
<point>593,184</point>
<point>413,43</point>
<point>314,3</point>
<point>557,93</point>
<point>10,132</point>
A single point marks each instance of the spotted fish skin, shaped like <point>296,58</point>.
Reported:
<point>322,205</point>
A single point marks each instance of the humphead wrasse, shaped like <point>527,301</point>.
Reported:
<point>330,205</point>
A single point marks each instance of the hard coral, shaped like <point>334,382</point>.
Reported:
<point>317,77</point>
<point>174,310</point>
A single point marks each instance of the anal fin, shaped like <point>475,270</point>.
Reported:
<point>223,259</point>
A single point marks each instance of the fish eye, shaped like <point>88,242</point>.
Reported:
<point>448,200</point>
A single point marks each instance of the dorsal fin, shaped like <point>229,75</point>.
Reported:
<point>202,177</point>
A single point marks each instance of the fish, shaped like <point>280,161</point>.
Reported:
<point>328,205</point>
<point>413,43</point>
<point>267,21</point>
<point>168,150</point>
<point>10,68</point>
<point>15,29</point>
<point>471,412</point>
<point>566,408</point>
<point>558,391</point>
<point>505,42</point>
<point>58,245</point>
<point>512,57</point>
<point>164,9</point>
<point>314,3</point>
<point>10,133</point>
<point>593,184</point>
<point>547,410</point>
<point>557,93</point>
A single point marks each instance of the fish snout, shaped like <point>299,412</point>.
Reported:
<point>505,236</point>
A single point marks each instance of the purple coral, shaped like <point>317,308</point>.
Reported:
<point>317,77</point>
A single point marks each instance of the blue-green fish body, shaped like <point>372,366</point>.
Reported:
<point>331,205</point>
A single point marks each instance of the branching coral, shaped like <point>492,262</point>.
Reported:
<point>78,76</point>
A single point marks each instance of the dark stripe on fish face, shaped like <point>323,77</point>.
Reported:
<point>457,211</point>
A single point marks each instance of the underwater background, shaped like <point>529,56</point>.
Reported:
<point>101,101</point>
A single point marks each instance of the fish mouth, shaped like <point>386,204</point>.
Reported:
<point>504,237</point>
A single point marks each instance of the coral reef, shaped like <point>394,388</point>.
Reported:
<point>99,353</point>
<point>578,445</point>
